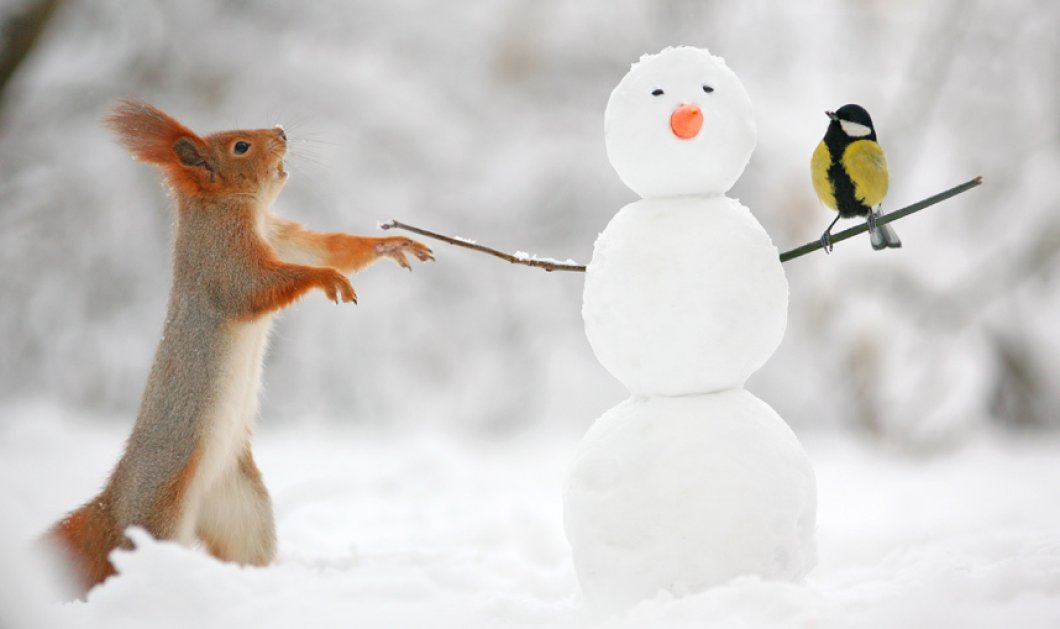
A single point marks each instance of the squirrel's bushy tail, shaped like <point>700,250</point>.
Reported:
<point>85,539</point>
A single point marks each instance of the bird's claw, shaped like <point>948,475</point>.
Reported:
<point>872,220</point>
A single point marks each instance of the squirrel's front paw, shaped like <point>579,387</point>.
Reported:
<point>334,284</point>
<point>396,248</point>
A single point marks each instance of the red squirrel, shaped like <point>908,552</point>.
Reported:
<point>187,473</point>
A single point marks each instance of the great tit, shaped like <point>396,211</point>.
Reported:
<point>849,172</point>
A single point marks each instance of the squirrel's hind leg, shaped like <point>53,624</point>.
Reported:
<point>236,522</point>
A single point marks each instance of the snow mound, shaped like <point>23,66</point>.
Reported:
<point>377,531</point>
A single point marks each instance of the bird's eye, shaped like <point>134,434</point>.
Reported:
<point>708,89</point>
<point>657,92</point>
<point>241,147</point>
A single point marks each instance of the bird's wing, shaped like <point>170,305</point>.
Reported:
<point>866,164</point>
<point>819,165</point>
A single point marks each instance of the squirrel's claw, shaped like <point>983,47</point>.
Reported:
<point>396,248</point>
<point>422,251</point>
<point>336,286</point>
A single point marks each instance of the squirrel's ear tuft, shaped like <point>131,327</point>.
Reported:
<point>153,136</point>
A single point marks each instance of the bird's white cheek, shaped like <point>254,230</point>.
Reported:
<point>854,129</point>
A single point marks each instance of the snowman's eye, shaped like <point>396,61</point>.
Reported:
<point>657,92</point>
<point>708,89</point>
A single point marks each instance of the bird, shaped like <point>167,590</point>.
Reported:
<point>849,173</point>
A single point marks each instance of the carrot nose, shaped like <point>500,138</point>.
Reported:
<point>686,121</point>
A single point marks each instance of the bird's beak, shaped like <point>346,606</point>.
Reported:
<point>831,115</point>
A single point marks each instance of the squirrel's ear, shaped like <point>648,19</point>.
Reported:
<point>192,155</point>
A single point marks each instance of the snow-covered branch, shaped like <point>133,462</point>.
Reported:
<point>555,265</point>
<point>519,257</point>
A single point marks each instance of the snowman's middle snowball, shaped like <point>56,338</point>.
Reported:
<point>684,296</point>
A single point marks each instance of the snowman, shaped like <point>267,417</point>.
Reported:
<point>691,481</point>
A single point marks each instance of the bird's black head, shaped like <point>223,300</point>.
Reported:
<point>851,121</point>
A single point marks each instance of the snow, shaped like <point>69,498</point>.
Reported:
<point>650,158</point>
<point>532,257</point>
<point>684,493</point>
<point>380,529</point>
<point>684,295</point>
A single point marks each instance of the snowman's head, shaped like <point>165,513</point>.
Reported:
<point>679,123</point>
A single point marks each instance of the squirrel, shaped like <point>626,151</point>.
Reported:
<point>187,472</point>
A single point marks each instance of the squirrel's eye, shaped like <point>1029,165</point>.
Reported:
<point>708,89</point>
<point>241,147</point>
<point>657,92</point>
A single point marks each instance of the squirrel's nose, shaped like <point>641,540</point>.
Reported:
<point>283,134</point>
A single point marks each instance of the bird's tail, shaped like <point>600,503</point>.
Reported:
<point>882,236</point>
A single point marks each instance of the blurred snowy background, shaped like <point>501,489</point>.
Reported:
<point>485,120</point>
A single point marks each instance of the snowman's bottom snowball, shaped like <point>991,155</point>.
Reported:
<point>684,493</point>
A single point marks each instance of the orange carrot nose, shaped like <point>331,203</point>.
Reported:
<point>686,121</point>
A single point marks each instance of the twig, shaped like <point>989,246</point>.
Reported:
<point>20,31</point>
<point>882,220</point>
<point>547,265</point>
<point>784,257</point>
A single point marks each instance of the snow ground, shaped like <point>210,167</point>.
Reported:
<point>425,530</point>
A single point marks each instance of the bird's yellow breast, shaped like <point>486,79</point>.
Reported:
<point>819,165</point>
<point>866,165</point>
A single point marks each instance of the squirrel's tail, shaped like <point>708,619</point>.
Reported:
<point>84,540</point>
